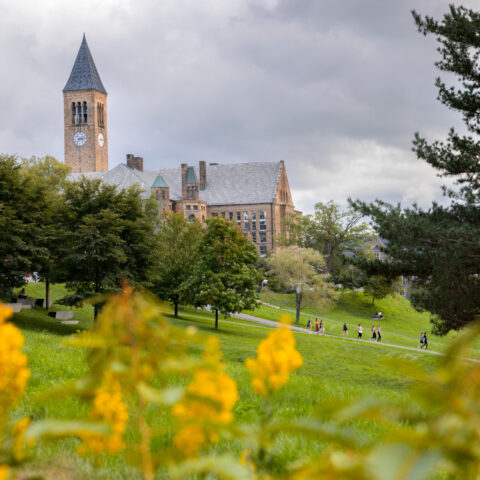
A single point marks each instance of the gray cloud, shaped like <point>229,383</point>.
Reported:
<point>336,89</point>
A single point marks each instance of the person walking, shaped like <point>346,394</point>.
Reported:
<point>317,327</point>
<point>309,324</point>
<point>374,334</point>
<point>345,330</point>
<point>360,331</point>
<point>322,328</point>
<point>425,341</point>
<point>420,345</point>
<point>379,334</point>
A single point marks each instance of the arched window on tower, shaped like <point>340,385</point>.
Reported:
<point>79,113</point>
<point>85,112</point>
<point>74,112</point>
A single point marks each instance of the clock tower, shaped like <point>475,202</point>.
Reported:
<point>85,116</point>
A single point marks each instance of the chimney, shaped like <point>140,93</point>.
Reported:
<point>203,174</point>
<point>130,161</point>
<point>184,180</point>
<point>139,163</point>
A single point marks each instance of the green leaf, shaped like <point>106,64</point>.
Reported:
<point>225,466</point>
<point>50,429</point>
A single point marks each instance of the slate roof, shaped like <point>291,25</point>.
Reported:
<point>84,74</point>
<point>229,184</point>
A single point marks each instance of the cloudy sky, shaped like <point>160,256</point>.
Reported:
<point>335,88</point>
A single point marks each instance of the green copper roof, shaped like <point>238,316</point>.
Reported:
<point>191,175</point>
<point>159,182</point>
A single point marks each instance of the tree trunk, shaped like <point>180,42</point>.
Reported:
<point>298,302</point>
<point>373,300</point>
<point>176,309</point>
<point>216,319</point>
<point>47,294</point>
<point>96,309</point>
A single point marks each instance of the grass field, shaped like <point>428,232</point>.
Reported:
<point>334,369</point>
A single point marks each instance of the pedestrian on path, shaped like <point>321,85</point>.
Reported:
<point>322,328</point>
<point>360,331</point>
<point>420,345</point>
<point>425,341</point>
<point>379,334</point>
<point>309,324</point>
<point>345,330</point>
<point>317,327</point>
<point>374,334</point>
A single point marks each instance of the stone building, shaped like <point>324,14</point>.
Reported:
<point>255,196</point>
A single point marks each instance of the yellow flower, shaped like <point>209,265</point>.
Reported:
<point>4,472</point>
<point>18,432</point>
<point>108,407</point>
<point>276,359</point>
<point>207,404</point>
<point>13,363</point>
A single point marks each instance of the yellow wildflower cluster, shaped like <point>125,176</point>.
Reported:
<point>207,404</point>
<point>18,432</point>
<point>276,359</point>
<point>13,363</point>
<point>4,472</point>
<point>108,407</point>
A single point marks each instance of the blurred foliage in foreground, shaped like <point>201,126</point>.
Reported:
<point>141,367</point>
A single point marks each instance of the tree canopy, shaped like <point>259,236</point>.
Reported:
<point>302,271</point>
<point>440,246</point>
<point>224,276</point>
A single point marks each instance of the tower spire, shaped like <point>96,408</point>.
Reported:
<point>84,74</point>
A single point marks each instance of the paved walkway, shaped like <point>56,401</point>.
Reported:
<point>271,323</point>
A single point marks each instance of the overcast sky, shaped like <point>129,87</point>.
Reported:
<point>335,88</point>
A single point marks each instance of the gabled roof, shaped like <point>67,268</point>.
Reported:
<point>191,177</point>
<point>230,184</point>
<point>84,74</point>
<point>159,182</point>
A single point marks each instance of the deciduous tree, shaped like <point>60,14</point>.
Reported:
<point>302,271</point>
<point>224,275</point>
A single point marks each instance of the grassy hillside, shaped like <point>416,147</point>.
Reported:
<point>333,369</point>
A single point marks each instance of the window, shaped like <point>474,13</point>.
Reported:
<point>84,112</point>
<point>230,216</point>
<point>100,119</point>
<point>254,221</point>
<point>74,113</point>
<point>163,194</point>
<point>263,250</point>
<point>195,207</point>
<point>214,214</point>
<point>187,207</point>
<point>223,214</point>
<point>239,219</point>
<point>156,194</point>
<point>254,237</point>
<point>245,220</point>
<point>191,218</point>
<point>263,237</point>
<point>262,220</point>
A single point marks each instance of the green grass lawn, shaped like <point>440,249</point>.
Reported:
<point>334,369</point>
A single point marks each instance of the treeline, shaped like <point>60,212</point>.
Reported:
<point>94,236</point>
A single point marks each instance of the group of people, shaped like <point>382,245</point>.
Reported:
<point>423,340</point>
<point>320,330</point>
<point>376,332</point>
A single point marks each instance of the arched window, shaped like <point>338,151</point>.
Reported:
<point>191,218</point>
<point>74,112</point>
<point>163,194</point>
<point>79,113</point>
<point>84,112</point>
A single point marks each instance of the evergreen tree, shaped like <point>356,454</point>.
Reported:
<point>178,241</point>
<point>441,246</point>
<point>224,275</point>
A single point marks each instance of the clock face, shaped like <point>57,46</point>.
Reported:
<point>101,140</point>
<point>79,139</point>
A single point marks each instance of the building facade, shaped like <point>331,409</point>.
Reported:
<point>254,196</point>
